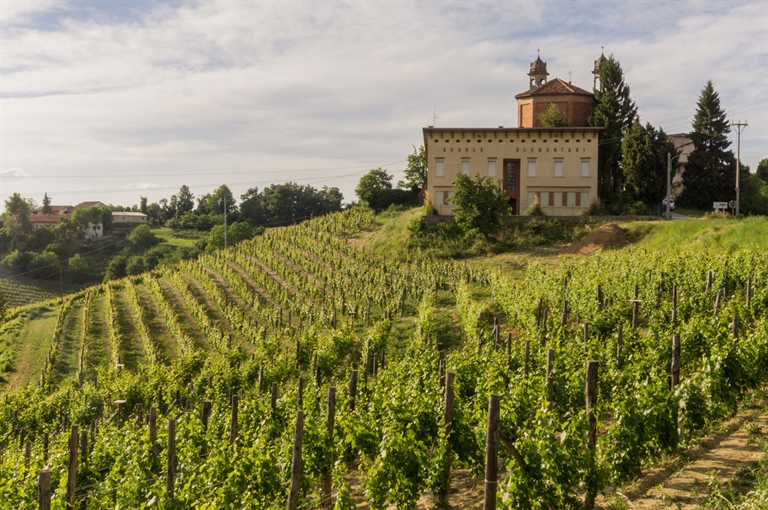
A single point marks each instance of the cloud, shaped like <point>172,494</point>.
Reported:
<point>140,185</point>
<point>15,172</point>
<point>248,93</point>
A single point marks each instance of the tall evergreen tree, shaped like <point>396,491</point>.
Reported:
<point>710,172</point>
<point>644,160</point>
<point>47,204</point>
<point>615,112</point>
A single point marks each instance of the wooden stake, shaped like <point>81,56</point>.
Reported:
<point>152,426</point>
<point>233,419</point>
<point>526,356</point>
<point>170,476</point>
<point>300,396</point>
<point>72,467</point>
<point>735,329</point>
<point>550,369</point>
<point>441,368</point>
<point>27,456</point>
<point>448,426</point>
<point>328,475</point>
<point>619,344</point>
<point>205,413</point>
<point>675,368</point>
<point>352,390</point>
<point>492,454</point>
<point>298,436</point>
<point>44,489</point>
<point>591,403</point>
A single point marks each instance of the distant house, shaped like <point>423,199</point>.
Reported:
<point>124,222</point>
<point>39,220</point>
<point>59,210</point>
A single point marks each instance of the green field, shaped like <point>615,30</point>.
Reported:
<point>354,291</point>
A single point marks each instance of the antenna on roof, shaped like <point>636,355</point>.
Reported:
<point>570,74</point>
<point>434,116</point>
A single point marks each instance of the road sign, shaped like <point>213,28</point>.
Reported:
<point>720,205</point>
<point>732,204</point>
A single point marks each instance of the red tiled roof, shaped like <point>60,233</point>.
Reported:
<point>54,209</point>
<point>44,218</point>
<point>87,204</point>
<point>554,87</point>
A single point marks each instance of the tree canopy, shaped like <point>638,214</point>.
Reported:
<point>416,172</point>
<point>553,117</point>
<point>479,204</point>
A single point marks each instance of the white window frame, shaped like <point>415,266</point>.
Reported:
<point>466,166</point>
<point>531,168</point>
<point>440,167</point>
<point>491,168</point>
<point>557,170</point>
<point>586,170</point>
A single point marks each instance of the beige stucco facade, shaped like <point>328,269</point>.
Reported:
<point>559,165</point>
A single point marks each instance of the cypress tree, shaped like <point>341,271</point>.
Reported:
<point>614,111</point>
<point>710,172</point>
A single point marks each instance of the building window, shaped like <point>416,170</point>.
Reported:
<point>465,166</point>
<point>551,196</point>
<point>584,198</point>
<point>531,168</point>
<point>585,168</point>
<point>571,199</point>
<point>491,168</point>
<point>441,197</point>
<point>439,168</point>
<point>558,168</point>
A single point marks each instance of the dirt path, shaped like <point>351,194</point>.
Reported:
<point>717,461</point>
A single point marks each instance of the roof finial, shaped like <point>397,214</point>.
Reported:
<point>602,50</point>
<point>538,51</point>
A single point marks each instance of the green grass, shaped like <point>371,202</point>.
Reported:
<point>393,236</point>
<point>705,234</point>
<point>181,239</point>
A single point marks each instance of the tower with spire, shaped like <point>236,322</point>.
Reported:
<point>598,65</point>
<point>538,73</point>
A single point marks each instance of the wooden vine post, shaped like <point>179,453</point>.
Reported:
<point>352,390</point>
<point>674,379</point>
<point>74,437</point>
<point>233,419</point>
<point>170,476</point>
<point>619,344</point>
<point>550,382</point>
<point>448,426</point>
<point>152,426</point>
<point>526,356</point>
<point>298,437</point>
<point>328,475</point>
<point>492,454</point>
<point>591,403</point>
<point>44,489</point>
<point>205,413</point>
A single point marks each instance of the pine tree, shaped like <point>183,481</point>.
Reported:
<point>710,172</point>
<point>47,205</point>
<point>614,111</point>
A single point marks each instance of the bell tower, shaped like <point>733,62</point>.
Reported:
<point>596,71</point>
<point>538,73</point>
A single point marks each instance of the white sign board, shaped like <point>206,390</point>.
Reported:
<point>720,205</point>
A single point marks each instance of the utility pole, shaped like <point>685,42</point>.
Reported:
<point>739,128</point>
<point>669,185</point>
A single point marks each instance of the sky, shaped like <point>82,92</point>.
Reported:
<point>116,100</point>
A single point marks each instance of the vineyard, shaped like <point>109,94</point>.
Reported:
<point>299,370</point>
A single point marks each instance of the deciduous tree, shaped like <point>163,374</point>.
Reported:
<point>479,204</point>
<point>416,172</point>
<point>553,117</point>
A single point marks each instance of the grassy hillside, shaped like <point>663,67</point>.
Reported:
<point>336,303</point>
